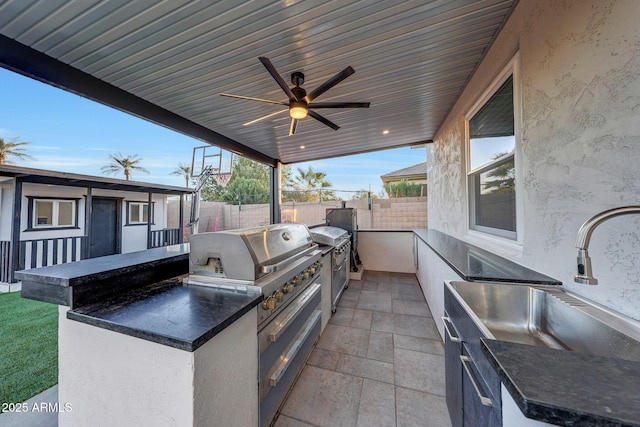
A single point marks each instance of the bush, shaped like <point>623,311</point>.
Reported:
<point>403,189</point>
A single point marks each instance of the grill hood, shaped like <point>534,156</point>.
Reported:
<point>249,253</point>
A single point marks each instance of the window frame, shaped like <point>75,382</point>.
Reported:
<point>130,203</point>
<point>507,236</point>
<point>32,214</point>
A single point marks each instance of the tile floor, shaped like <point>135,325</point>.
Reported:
<point>379,361</point>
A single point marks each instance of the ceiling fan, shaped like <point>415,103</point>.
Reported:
<point>300,103</point>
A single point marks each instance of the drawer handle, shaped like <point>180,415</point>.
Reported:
<point>299,304</point>
<point>446,320</point>
<point>287,359</point>
<point>483,399</point>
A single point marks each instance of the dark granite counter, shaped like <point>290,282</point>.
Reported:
<point>568,388</point>
<point>475,264</point>
<point>92,280</point>
<point>140,294</point>
<point>169,313</point>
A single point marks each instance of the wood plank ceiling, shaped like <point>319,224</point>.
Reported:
<point>412,60</point>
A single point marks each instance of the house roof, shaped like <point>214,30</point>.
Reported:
<point>415,171</point>
<point>168,62</point>
<point>40,176</point>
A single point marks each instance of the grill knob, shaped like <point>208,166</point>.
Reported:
<point>288,288</point>
<point>269,303</point>
<point>279,296</point>
<point>305,274</point>
<point>298,280</point>
<point>313,269</point>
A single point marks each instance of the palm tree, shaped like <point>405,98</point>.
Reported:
<point>125,164</point>
<point>309,180</point>
<point>13,148</point>
<point>184,170</point>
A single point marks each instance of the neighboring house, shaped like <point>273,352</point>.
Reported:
<point>44,218</point>
<point>416,174</point>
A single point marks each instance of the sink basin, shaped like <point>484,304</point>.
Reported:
<point>547,316</point>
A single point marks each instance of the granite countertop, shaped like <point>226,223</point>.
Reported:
<point>169,313</point>
<point>565,387</point>
<point>96,279</point>
<point>88,270</point>
<point>475,264</point>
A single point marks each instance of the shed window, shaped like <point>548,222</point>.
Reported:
<point>50,213</point>
<point>138,213</point>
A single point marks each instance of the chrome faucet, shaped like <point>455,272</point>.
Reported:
<point>585,275</point>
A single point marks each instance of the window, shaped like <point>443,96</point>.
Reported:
<point>138,213</point>
<point>492,163</point>
<point>53,213</point>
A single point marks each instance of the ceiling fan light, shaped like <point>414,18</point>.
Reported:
<point>298,111</point>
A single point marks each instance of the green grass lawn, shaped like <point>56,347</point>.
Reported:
<point>28,347</point>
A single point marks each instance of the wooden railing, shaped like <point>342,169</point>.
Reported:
<point>165,237</point>
<point>5,259</point>
<point>43,252</point>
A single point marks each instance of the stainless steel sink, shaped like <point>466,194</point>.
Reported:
<point>547,316</point>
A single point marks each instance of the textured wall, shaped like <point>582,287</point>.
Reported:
<point>580,66</point>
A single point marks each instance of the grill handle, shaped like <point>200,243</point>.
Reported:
<point>270,268</point>
<point>293,351</point>
<point>301,302</point>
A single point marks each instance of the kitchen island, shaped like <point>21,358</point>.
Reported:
<point>146,352</point>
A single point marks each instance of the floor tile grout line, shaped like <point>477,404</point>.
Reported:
<point>421,391</point>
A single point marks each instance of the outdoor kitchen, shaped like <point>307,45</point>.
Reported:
<point>202,315</point>
<point>515,303</point>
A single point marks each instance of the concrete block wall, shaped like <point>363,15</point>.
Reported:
<point>395,214</point>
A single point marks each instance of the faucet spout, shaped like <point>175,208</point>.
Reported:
<point>585,274</point>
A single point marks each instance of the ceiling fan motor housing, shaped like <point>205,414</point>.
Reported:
<point>299,93</point>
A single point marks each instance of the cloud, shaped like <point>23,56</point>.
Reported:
<point>8,133</point>
<point>67,163</point>
<point>100,149</point>
<point>44,147</point>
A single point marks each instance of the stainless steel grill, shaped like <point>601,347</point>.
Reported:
<point>340,259</point>
<point>282,262</point>
<point>278,260</point>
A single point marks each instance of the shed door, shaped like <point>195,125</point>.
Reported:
<point>105,230</point>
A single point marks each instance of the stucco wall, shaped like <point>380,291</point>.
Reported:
<point>580,87</point>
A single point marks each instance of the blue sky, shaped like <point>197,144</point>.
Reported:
<point>72,134</point>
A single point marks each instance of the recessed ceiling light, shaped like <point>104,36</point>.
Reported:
<point>385,132</point>
<point>302,147</point>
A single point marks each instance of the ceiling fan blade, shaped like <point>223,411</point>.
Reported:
<point>277,77</point>
<point>294,125</point>
<point>339,105</point>
<point>329,84</point>
<point>319,118</point>
<point>254,99</point>
<point>263,118</point>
